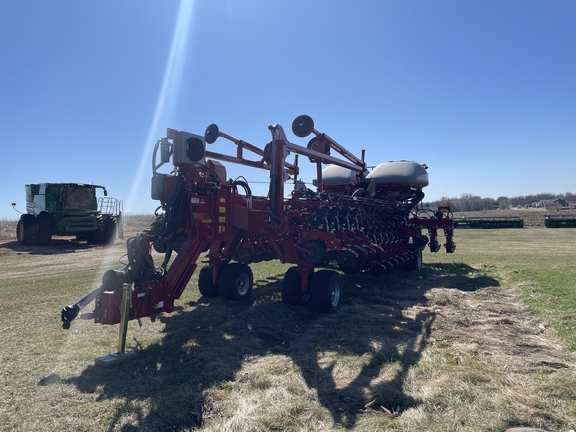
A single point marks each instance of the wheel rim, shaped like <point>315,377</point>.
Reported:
<point>419,261</point>
<point>243,284</point>
<point>334,293</point>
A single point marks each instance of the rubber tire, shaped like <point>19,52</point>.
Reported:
<point>105,234</point>
<point>235,282</point>
<point>27,230</point>
<point>109,231</point>
<point>205,285</point>
<point>292,288</point>
<point>95,237</point>
<point>45,228</point>
<point>416,264</point>
<point>325,292</point>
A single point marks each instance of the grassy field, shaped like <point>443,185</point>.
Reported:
<point>480,340</point>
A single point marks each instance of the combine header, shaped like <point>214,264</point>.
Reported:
<point>489,222</point>
<point>560,221</point>
<point>359,220</point>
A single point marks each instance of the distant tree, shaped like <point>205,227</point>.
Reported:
<point>469,201</point>
<point>503,202</point>
<point>521,201</point>
<point>488,204</point>
<point>570,197</point>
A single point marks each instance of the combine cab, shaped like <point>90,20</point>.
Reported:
<point>355,220</point>
<point>66,209</point>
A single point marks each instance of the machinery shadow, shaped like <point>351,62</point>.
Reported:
<point>57,246</point>
<point>170,384</point>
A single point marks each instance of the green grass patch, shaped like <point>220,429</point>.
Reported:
<point>551,292</point>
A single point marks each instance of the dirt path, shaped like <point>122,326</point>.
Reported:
<point>62,256</point>
<point>494,326</point>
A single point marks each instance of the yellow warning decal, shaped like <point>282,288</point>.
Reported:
<point>221,209</point>
<point>206,220</point>
<point>223,200</point>
<point>222,219</point>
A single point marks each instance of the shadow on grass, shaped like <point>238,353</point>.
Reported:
<point>56,246</point>
<point>166,386</point>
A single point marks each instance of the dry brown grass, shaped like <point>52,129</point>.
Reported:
<point>8,229</point>
<point>451,348</point>
<point>136,223</point>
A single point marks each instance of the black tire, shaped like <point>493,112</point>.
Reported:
<point>27,230</point>
<point>292,288</point>
<point>325,292</point>
<point>109,234</point>
<point>45,228</point>
<point>415,264</point>
<point>205,285</point>
<point>105,234</point>
<point>94,237</point>
<point>235,281</point>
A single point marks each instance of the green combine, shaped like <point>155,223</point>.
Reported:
<point>69,209</point>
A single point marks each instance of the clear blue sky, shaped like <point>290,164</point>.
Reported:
<point>483,92</point>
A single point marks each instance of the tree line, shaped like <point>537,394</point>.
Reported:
<point>471,202</point>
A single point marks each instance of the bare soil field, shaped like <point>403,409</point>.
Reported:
<point>65,254</point>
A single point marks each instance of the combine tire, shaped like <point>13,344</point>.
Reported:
<point>105,234</point>
<point>292,288</point>
<point>27,230</point>
<point>235,281</point>
<point>205,285</point>
<point>109,234</point>
<point>44,229</point>
<point>94,237</point>
<point>325,292</point>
